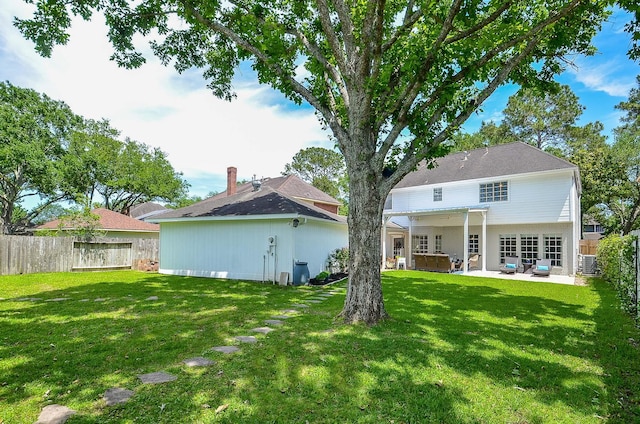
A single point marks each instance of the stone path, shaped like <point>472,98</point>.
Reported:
<point>58,414</point>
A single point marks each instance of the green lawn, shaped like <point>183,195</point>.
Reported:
<point>456,350</point>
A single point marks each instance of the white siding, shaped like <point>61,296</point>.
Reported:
<point>539,204</point>
<point>240,249</point>
<point>541,198</point>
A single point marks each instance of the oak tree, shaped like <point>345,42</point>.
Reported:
<point>34,133</point>
<point>322,168</point>
<point>391,79</point>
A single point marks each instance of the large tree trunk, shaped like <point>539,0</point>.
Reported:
<point>364,301</point>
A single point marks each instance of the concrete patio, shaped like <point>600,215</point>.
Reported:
<point>558,279</point>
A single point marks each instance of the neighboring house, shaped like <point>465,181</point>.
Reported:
<point>143,211</point>
<point>592,229</point>
<point>114,225</point>
<point>254,231</point>
<point>505,200</point>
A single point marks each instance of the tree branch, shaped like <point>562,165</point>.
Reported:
<point>332,38</point>
<point>409,162</point>
<point>480,25</point>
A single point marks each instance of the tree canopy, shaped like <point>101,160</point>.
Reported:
<point>49,152</point>
<point>34,133</point>
<point>322,168</point>
<point>544,119</point>
<point>392,80</point>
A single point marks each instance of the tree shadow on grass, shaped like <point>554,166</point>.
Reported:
<point>454,351</point>
<point>70,345</point>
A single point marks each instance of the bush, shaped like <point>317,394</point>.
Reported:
<point>616,260</point>
<point>338,261</point>
<point>322,276</point>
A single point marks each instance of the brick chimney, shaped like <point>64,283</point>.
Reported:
<point>232,180</point>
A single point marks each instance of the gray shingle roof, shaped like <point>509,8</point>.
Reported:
<point>266,201</point>
<point>495,161</point>
<point>289,185</point>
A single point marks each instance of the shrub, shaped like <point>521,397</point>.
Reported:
<point>322,276</point>
<point>338,260</point>
<point>616,260</point>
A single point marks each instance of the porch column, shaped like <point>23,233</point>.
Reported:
<point>484,241</point>
<point>465,241</point>
<point>410,255</point>
<point>385,221</point>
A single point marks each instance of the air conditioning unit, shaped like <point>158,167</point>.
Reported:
<point>589,265</point>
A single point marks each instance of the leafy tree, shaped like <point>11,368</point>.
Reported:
<point>34,131</point>
<point>83,225</point>
<point>122,173</point>
<point>542,119</point>
<point>322,168</point>
<point>587,148</point>
<point>392,80</point>
<point>621,209</point>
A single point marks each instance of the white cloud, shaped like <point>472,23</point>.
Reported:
<point>201,134</point>
<point>604,77</point>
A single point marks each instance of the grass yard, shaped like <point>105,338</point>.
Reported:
<point>456,350</point>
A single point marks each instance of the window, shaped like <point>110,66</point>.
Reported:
<point>553,249</point>
<point>420,244</point>
<point>507,246</point>
<point>474,244</point>
<point>438,242</point>
<point>494,192</point>
<point>529,246</point>
<point>437,194</point>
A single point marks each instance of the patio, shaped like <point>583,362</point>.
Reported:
<point>558,279</point>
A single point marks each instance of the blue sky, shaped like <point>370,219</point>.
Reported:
<point>260,131</point>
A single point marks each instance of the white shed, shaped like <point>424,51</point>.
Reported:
<point>250,235</point>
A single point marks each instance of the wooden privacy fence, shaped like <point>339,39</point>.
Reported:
<point>25,255</point>
<point>588,247</point>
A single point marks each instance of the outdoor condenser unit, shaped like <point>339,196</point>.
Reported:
<point>589,265</point>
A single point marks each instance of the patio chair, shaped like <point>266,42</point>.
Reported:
<point>542,268</point>
<point>474,261</point>
<point>510,265</point>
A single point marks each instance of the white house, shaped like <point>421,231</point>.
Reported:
<point>506,200</point>
<point>255,231</point>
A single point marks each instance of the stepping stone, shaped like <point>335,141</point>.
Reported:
<point>315,301</point>
<point>198,362</point>
<point>290,311</point>
<point>326,295</point>
<point>117,395</point>
<point>246,339</point>
<point>57,299</point>
<point>152,298</point>
<point>279,317</point>
<point>157,377</point>
<point>100,299</point>
<point>84,300</point>
<point>54,414</point>
<point>274,322</point>
<point>263,330</point>
<point>300,305</point>
<point>226,349</point>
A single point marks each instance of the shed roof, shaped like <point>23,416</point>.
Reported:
<point>266,201</point>
<point>495,161</point>
<point>289,185</point>
<point>110,220</point>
